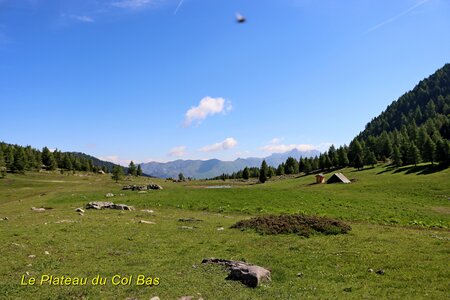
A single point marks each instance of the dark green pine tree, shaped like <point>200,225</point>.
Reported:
<point>429,150</point>
<point>263,172</point>
<point>397,157</point>
<point>2,165</point>
<point>132,169</point>
<point>370,159</point>
<point>413,154</point>
<point>272,172</point>
<point>358,162</point>
<point>117,173</point>
<point>67,163</point>
<point>333,155</point>
<point>357,152</point>
<point>301,165</point>
<point>308,166</point>
<point>291,166</point>
<point>280,169</point>
<point>443,151</point>
<point>19,161</point>
<point>246,173</point>
<point>342,156</point>
<point>139,170</point>
<point>48,160</point>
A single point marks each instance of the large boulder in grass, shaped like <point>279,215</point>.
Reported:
<point>248,274</point>
<point>154,186</point>
<point>110,205</point>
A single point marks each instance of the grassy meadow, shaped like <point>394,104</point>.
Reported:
<point>400,223</point>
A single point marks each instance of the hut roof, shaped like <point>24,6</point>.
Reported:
<point>338,177</point>
<point>320,175</point>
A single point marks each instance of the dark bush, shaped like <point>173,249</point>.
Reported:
<point>297,224</point>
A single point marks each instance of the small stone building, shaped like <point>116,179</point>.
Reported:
<point>320,178</point>
<point>338,178</point>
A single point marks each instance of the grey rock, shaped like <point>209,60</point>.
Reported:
<point>109,195</point>
<point>146,222</point>
<point>80,210</point>
<point>40,209</point>
<point>248,274</point>
<point>110,205</point>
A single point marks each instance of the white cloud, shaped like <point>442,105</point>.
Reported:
<point>228,143</point>
<point>208,106</point>
<point>133,4</point>
<point>275,146</point>
<point>84,19</point>
<point>178,151</point>
<point>116,159</point>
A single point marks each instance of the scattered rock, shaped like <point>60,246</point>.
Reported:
<point>81,214</point>
<point>300,274</point>
<point>348,289</point>
<point>147,211</point>
<point>29,265</point>
<point>380,272</point>
<point>38,209</point>
<point>154,298</point>
<point>370,270</point>
<point>4,219</point>
<point>248,274</point>
<point>109,195</point>
<point>220,229</point>
<point>186,227</point>
<point>110,205</point>
<point>154,186</point>
<point>46,253</point>
<point>80,210</point>
<point>190,220</point>
<point>146,222</point>
<point>186,298</point>
<point>31,256</point>
<point>64,221</point>
<point>142,192</point>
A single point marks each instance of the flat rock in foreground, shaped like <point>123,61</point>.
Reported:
<point>248,274</point>
<point>110,205</point>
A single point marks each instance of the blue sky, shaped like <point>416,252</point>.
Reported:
<point>143,80</point>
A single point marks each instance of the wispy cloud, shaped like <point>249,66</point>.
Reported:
<point>208,106</point>
<point>390,20</point>
<point>116,159</point>
<point>275,146</point>
<point>226,144</point>
<point>133,4</point>
<point>78,18</point>
<point>178,151</point>
<point>178,7</point>
<point>85,19</point>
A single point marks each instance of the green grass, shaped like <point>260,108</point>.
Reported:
<point>381,208</point>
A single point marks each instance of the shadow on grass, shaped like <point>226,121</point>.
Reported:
<point>419,170</point>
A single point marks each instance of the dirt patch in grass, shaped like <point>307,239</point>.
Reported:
<point>297,224</point>
<point>441,209</point>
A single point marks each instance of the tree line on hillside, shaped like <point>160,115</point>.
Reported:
<point>413,129</point>
<point>18,159</point>
<point>411,145</point>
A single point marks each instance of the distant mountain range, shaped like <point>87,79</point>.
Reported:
<point>213,167</point>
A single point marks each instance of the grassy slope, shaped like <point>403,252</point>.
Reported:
<point>110,242</point>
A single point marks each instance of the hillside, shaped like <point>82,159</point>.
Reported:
<point>428,100</point>
<point>412,129</point>
<point>18,159</point>
<point>214,167</point>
